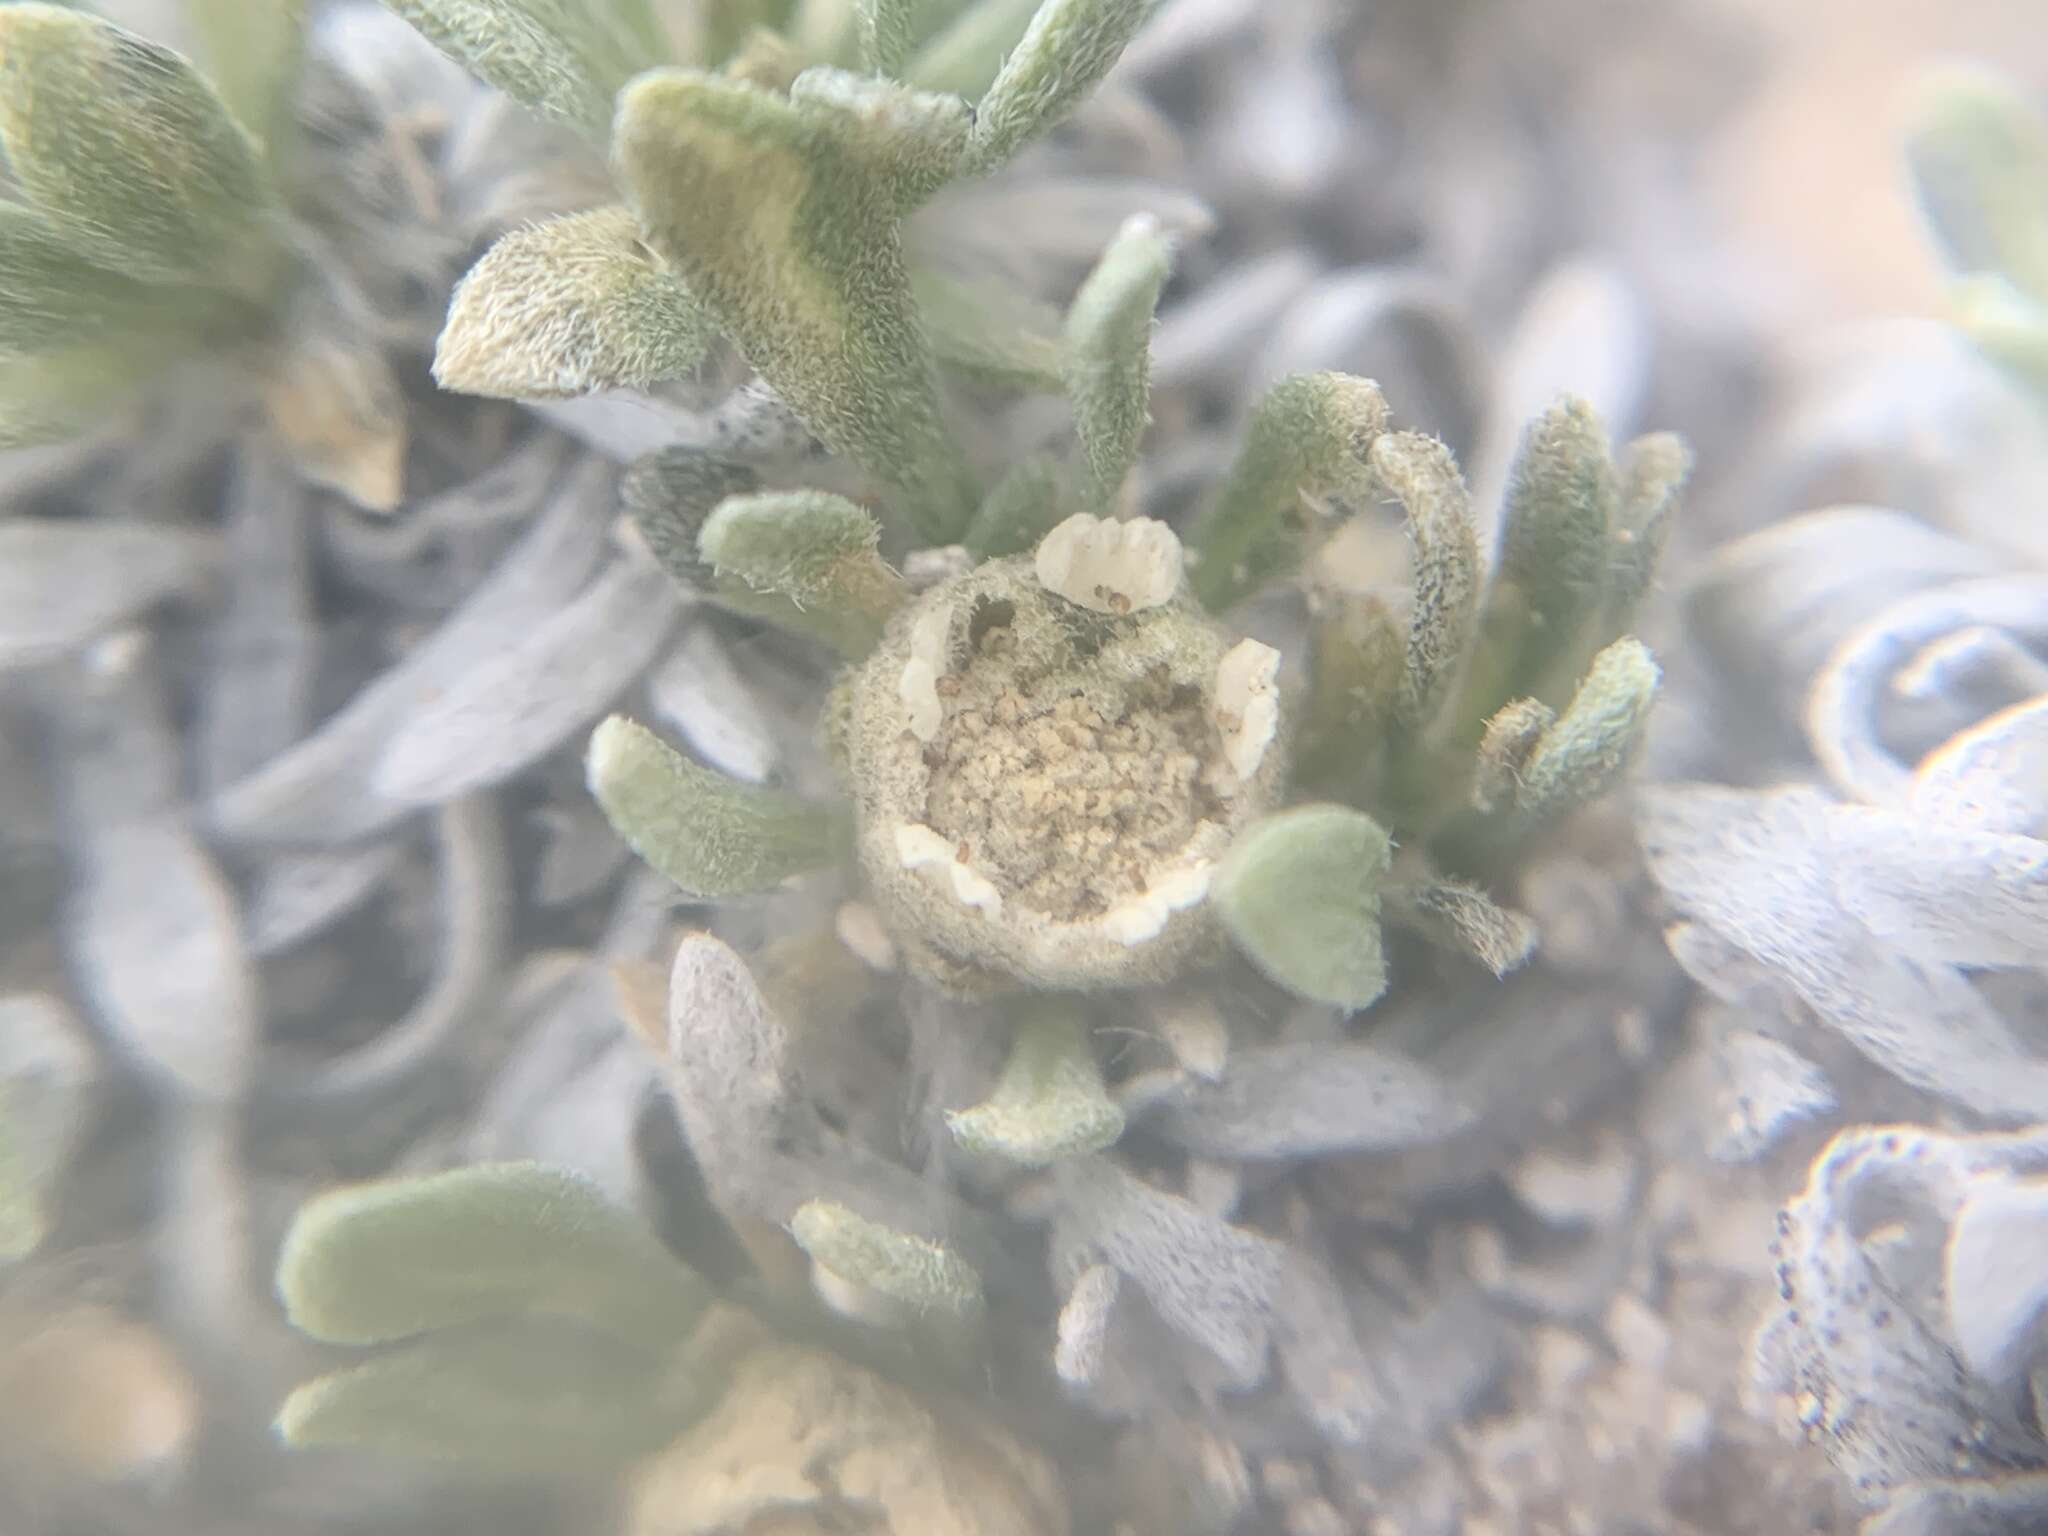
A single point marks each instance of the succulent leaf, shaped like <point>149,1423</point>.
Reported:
<point>912,1270</point>
<point>1062,56</point>
<point>385,1260</point>
<point>1444,553</point>
<point>566,59</point>
<point>783,220</point>
<point>1311,435</point>
<point>1106,359</point>
<point>566,307</point>
<point>1020,510</point>
<point>123,143</point>
<point>1300,894</point>
<point>1463,919</point>
<point>526,1399</point>
<point>818,552</point>
<point>711,835</point>
<point>1581,755</point>
<point>1049,1103</point>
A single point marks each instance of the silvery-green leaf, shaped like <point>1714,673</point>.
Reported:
<point>711,835</point>
<point>1299,892</point>
<point>1288,1101</point>
<point>1084,1326</point>
<point>263,645</point>
<point>64,582</point>
<point>1444,556</point>
<point>46,1070</point>
<point>1105,355</point>
<point>297,893</point>
<point>965,56</point>
<point>506,711</point>
<point>159,961</point>
<point>1464,920</point>
<point>1064,53</point>
<point>252,54</point>
<point>1996,1276</point>
<point>1842,709</point>
<point>700,695</point>
<point>887,30</point>
<point>1992,777</point>
<point>904,1268</point>
<point>1019,510</point>
<point>1311,435</point>
<point>782,218</point>
<point>1050,1102</point>
<point>1977,152</point>
<point>130,149</point>
<point>1758,869</point>
<point>566,59</point>
<point>1583,752</point>
<point>318,792</point>
<point>531,1399</point>
<point>815,551</point>
<point>989,329</point>
<point>566,307</point>
<point>367,1263</point>
<point>52,296</point>
<point>51,396</point>
<point>473,902</point>
<point>1212,1283</point>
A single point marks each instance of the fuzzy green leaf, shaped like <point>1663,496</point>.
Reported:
<point>566,59</point>
<point>1359,651</point>
<point>782,216</point>
<point>912,1270</point>
<point>990,330</point>
<point>669,495</point>
<point>1063,55</point>
<point>1024,506</point>
<point>1562,501</point>
<point>1464,920</point>
<point>1106,359</point>
<point>54,395</point>
<point>52,297</point>
<point>1654,469</point>
<point>385,1260</point>
<point>1510,737</point>
<point>887,30</point>
<point>965,55</point>
<point>1977,153</point>
<point>711,835</point>
<point>252,54</point>
<point>1444,553</point>
<point>122,143</point>
<point>1049,1103</point>
<point>525,1399</point>
<point>566,307</point>
<point>1311,435</point>
<point>1300,891</point>
<point>815,550</point>
<point>1585,750</point>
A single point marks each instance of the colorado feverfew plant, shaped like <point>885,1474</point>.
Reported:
<point>1066,765</point>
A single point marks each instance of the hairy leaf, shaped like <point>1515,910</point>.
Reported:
<point>372,1262</point>
<point>711,835</point>
<point>1050,1102</point>
<point>1105,360</point>
<point>566,307</point>
<point>1300,894</point>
